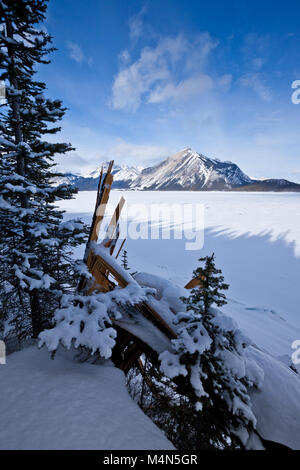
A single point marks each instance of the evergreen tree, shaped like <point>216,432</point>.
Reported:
<point>35,245</point>
<point>209,350</point>
<point>124,260</point>
<point>211,284</point>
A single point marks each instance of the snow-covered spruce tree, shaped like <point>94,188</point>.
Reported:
<point>35,246</point>
<point>209,351</point>
<point>211,284</point>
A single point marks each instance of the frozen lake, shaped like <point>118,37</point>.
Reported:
<point>256,240</point>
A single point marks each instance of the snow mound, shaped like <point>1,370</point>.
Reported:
<point>276,404</point>
<point>166,301</point>
<point>62,404</point>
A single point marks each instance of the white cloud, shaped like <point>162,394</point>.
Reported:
<point>152,66</point>
<point>124,56</point>
<point>185,89</point>
<point>122,152</point>
<point>254,81</point>
<point>199,50</point>
<point>224,82</point>
<point>258,62</point>
<point>127,152</point>
<point>153,74</point>
<point>136,25</point>
<point>72,162</point>
<point>77,54</point>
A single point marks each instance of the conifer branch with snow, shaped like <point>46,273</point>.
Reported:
<point>36,267</point>
<point>210,352</point>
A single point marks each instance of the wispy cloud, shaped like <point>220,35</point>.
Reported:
<point>257,84</point>
<point>136,26</point>
<point>256,46</point>
<point>255,52</point>
<point>224,82</point>
<point>123,151</point>
<point>124,56</point>
<point>77,54</point>
<point>153,77</point>
<point>258,62</point>
<point>72,163</point>
<point>151,67</point>
<point>183,90</point>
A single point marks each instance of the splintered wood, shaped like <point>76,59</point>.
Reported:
<point>106,277</point>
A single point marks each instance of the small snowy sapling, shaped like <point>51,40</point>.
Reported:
<point>209,352</point>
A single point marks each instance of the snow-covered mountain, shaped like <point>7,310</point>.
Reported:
<point>278,185</point>
<point>189,170</point>
<point>69,178</point>
<point>124,176</point>
<point>120,172</point>
<point>185,170</point>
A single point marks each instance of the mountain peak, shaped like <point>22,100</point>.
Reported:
<point>190,170</point>
<point>186,170</point>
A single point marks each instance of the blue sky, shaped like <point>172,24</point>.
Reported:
<point>144,79</point>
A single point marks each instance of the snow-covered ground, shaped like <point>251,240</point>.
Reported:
<point>256,239</point>
<point>60,404</point>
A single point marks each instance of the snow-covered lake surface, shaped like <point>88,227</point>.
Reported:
<point>256,240</point>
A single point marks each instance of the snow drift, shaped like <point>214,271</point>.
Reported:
<point>62,404</point>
